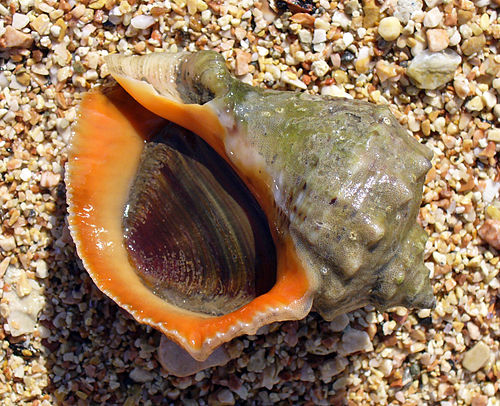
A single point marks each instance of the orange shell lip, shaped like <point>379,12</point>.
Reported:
<point>105,154</point>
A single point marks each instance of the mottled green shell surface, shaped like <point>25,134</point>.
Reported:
<point>347,179</point>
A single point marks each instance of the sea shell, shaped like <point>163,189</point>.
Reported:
<point>339,182</point>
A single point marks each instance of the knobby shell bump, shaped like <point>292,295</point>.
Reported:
<point>208,208</point>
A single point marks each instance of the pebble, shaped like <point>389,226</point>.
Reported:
<point>242,62</point>
<point>141,22</point>
<point>49,179</point>
<point>339,323</point>
<point>354,340</point>
<point>13,38</point>
<point>41,269</point>
<point>41,24</point>
<point>305,37</point>
<point>461,85</point>
<point>473,44</point>
<point>474,332</point>
<point>430,70</point>
<point>7,243</point>
<point>389,28</point>
<point>386,70</point>
<point>332,367</point>
<point>405,9</point>
<point>140,375</point>
<point>334,91</point>
<point>493,134</point>
<point>475,104</point>
<point>25,174</point>
<point>489,99</point>
<point>19,21</point>
<point>225,397</point>
<point>23,311</point>
<point>320,68</point>
<point>490,232</point>
<point>437,39</point>
<point>432,18</point>
<point>476,357</point>
<point>319,36</point>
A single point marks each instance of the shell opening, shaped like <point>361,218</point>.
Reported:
<point>193,231</point>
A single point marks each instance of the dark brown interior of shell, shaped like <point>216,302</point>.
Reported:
<point>194,232</point>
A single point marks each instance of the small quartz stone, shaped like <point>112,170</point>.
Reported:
<point>461,85</point>
<point>389,28</point>
<point>476,357</point>
<point>19,21</point>
<point>225,397</point>
<point>141,22</point>
<point>7,243</point>
<point>430,70</point>
<point>25,174</point>
<point>405,9</point>
<point>437,39</point>
<point>339,323</point>
<point>432,18</point>
<point>320,68</point>
<point>354,340</point>
<point>493,135</point>
<point>305,37</point>
<point>473,44</point>
<point>319,36</point>
<point>475,104</point>
<point>489,99</point>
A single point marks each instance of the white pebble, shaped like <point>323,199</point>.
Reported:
<point>19,21</point>
<point>41,269</point>
<point>348,38</point>
<point>305,36</point>
<point>389,28</point>
<point>319,36</point>
<point>55,30</point>
<point>25,174</point>
<point>489,99</point>
<point>334,91</point>
<point>430,70</point>
<point>7,243</point>
<point>142,22</point>
<point>320,68</point>
<point>475,104</point>
<point>354,340</point>
<point>432,18</point>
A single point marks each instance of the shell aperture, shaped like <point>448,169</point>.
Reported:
<point>193,231</point>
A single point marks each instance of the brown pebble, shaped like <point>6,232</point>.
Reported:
<point>242,62</point>
<point>372,14</point>
<point>303,19</point>
<point>13,38</point>
<point>463,16</point>
<point>490,232</point>
<point>479,400</point>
